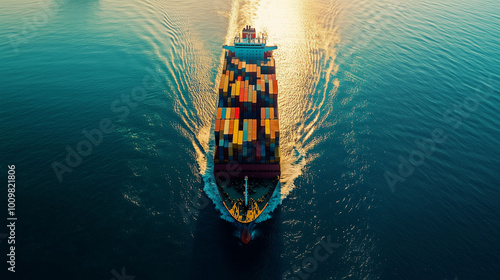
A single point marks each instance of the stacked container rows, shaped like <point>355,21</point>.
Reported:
<point>247,123</point>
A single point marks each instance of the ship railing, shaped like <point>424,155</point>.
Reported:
<point>257,40</point>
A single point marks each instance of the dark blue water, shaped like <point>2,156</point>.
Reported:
<point>390,139</point>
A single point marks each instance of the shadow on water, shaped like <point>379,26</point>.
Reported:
<point>218,252</point>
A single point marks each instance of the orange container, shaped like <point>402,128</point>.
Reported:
<point>219,113</point>
<point>217,125</point>
<point>249,131</point>
<point>221,128</point>
<point>271,125</point>
<point>231,127</point>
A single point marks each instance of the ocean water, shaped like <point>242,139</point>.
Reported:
<point>390,139</point>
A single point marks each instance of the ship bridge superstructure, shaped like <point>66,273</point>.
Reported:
<point>249,46</point>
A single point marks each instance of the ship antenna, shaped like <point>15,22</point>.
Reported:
<point>246,190</point>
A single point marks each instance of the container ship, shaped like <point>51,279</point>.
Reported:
<point>247,154</point>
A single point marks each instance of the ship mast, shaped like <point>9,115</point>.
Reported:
<point>246,190</point>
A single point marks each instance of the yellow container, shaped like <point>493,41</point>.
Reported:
<point>226,83</point>
<point>233,90</point>
<point>235,131</point>
<point>221,85</point>
<point>268,128</point>
<point>226,127</point>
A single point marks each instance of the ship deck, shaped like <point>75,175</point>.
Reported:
<point>232,193</point>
